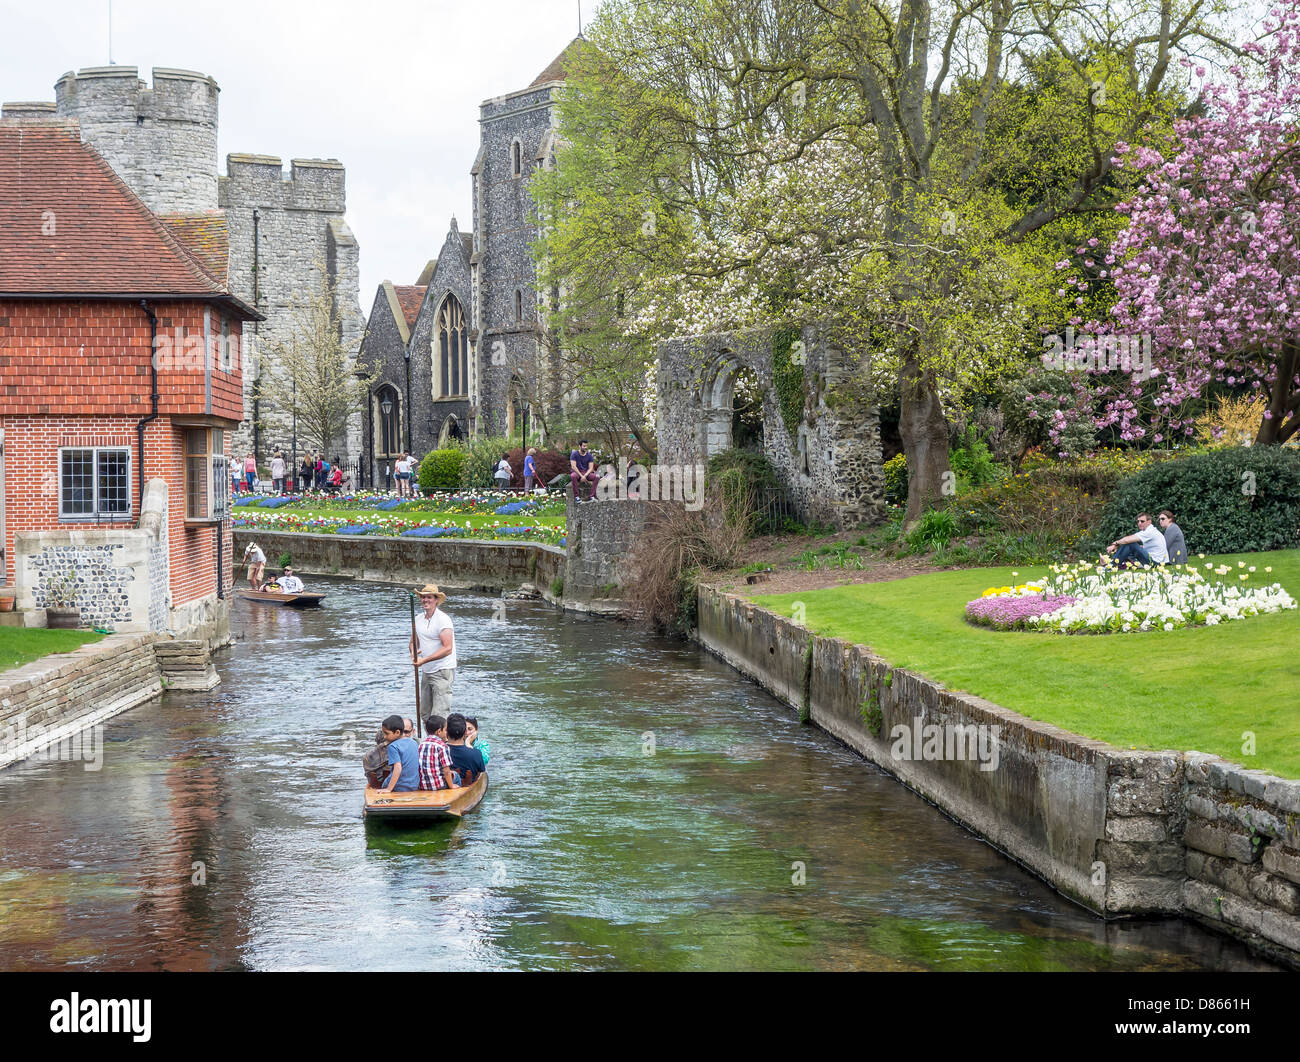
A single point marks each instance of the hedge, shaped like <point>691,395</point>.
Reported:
<point>1238,500</point>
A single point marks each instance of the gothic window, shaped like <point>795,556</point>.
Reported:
<point>519,305</point>
<point>453,350</point>
<point>516,159</point>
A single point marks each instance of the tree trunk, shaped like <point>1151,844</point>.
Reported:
<point>924,430</point>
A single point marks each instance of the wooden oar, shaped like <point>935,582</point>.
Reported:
<point>415,642</point>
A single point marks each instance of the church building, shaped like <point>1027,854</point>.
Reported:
<point>464,352</point>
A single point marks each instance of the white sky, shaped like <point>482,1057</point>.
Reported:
<point>390,88</point>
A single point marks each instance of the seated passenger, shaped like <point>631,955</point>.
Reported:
<point>466,762</point>
<point>375,762</point>
<point>435,763</point>
<point>289,582</point>
<point>403,757</point>
<point>474,741</point>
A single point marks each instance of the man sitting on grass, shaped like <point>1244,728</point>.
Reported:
<point>1145,547</point>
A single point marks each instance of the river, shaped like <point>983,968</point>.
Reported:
<point>648,809</point>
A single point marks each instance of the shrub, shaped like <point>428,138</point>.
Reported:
<point>481,457</point>
<point>441,470</point>
<point>1226,501</point>
<point>742,481</point>
<point>896,479</point>
<point>973,462</point>
<point>936,528</point>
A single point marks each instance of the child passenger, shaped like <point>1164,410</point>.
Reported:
<point>474,741</point>
<point>466,762</point>
<point>435,762</point>
<point>403,758</point>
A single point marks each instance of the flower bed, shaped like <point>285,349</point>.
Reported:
<point>392,525</point>
<point>1102,599</point>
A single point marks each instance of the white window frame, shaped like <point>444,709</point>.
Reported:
<point>96,516</point>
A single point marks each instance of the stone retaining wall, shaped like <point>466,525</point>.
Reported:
<point>58,696</point>
<point>1122,832</point>
<point>464,563</point>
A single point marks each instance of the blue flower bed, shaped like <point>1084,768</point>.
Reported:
<point>357,529</point>
<point>515,508</point>
<point>275,503</point>
<point>391,504</point>
<point>247,499</point>
<point>432,532</point>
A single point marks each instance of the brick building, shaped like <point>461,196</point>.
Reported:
<point>120,383</point>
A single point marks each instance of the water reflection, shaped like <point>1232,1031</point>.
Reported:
<point>225,830</point>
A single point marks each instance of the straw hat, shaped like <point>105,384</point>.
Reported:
<point>430,588</point>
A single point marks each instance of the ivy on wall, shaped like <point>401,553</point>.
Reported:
<point>787,377</point>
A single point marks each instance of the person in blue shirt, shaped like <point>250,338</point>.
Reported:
<point>403,757</point>
<point>530,469</point>
<point>466,761</point>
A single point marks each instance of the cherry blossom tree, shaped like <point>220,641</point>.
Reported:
<point>1208,266</point>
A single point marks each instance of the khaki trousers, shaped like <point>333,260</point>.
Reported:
<point>435,692</point>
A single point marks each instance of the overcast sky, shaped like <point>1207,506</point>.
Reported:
<point>390,88</point>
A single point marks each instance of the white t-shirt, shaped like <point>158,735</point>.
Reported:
<point>503,469</point>
<point>1154,543</point>
<point>254,555</point>
<point>290,584</point>
<point>277,468</point>
<point>429,634</point>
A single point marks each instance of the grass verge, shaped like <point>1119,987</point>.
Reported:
<point>1211,689</point>
<point>20,645</point>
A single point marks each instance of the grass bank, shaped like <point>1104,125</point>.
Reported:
<point>20,645</point>
<point>1209,689</point>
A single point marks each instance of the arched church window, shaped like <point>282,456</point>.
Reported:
<point>516,159</point>
<point>453,349</point>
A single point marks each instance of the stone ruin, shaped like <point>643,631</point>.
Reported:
<point>821,422</point>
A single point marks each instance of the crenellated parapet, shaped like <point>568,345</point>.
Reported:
<point>259,180</point>
<point>161,138</point>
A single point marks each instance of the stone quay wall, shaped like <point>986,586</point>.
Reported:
<point>463,563</point>
<point>601,538</point>
<point>1122,832</point>
<point>51,700</point>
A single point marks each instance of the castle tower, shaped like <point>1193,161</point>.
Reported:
<point>281,230</point>
<point>517,134</point>
<point>162,140</point>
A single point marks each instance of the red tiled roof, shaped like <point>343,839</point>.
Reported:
<point>69,225</point>
<point>409,297</point>
<point>559,66</point>
<point>207,237</point>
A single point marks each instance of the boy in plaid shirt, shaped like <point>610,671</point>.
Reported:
<point>435,761</point>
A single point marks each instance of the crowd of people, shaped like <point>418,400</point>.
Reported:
<point>314,473</point>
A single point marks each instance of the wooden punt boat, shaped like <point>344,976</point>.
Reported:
<point>274,597</point>
<point>425,805</point>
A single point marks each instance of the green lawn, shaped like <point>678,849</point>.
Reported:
<point>20,645</point>
<point>1196,689</point>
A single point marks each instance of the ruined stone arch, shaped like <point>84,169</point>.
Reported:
<point>717,399</point>
<point>451,431</point>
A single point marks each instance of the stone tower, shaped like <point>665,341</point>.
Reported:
<point>517,135</point>
<point>162,141</point>
<point>280,229</point>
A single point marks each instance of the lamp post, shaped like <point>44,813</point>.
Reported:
<point>386,407</point>
<point>295,425</point>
